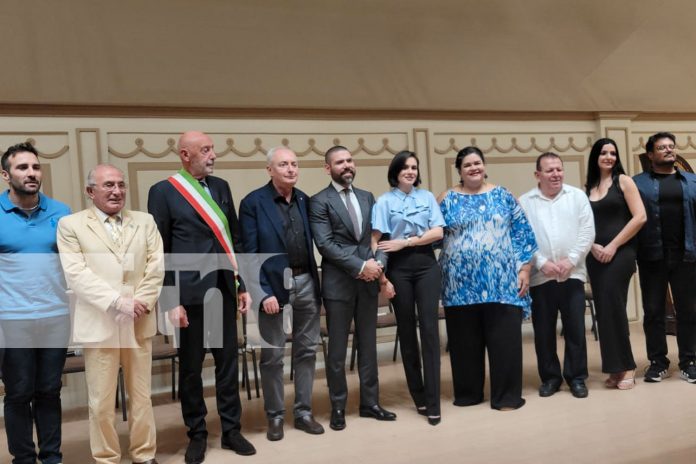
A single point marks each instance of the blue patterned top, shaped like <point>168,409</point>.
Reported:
<point>487,239</point>
<point>404,215</point>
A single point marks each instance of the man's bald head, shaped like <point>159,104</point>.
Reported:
<point>197,153</point>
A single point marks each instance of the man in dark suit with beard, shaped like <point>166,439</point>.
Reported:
<point>341,225</point>
<point>195,216</point>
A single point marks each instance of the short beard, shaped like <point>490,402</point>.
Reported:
<point>23,192</point>
<point>344,181</point>
<point>665,163</point>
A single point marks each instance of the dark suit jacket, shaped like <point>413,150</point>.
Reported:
<point>342,254</point>
<point>184,231</point>
<point>262,232</point>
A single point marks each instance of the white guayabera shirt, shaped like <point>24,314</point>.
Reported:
<point>564,228</point>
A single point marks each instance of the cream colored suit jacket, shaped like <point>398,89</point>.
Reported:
<point>98,272</point>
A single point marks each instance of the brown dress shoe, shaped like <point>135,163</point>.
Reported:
<point>149,461</point>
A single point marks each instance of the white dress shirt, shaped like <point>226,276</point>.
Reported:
<point>564,228</point>
<point>353,199</point>
<point>356,205</point>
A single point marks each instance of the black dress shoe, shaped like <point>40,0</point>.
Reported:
<point>195,451</point>
<point>338,419</point>
<point>236,442</point>
<point>275,429</point>
<point>434,420</point>
<point>549,388</point>
<point>579,389</point>
<point>377,412</point>
<point>309,425</point>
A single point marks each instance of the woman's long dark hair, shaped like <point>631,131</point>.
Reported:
<point>593,175</point>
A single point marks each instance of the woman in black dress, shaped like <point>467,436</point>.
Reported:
<point>619,214</point>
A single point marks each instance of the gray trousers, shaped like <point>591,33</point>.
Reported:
<point>305,337</point>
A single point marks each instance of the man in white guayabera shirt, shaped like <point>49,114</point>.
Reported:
<point>563,224</point>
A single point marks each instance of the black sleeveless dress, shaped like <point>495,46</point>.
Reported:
<point>610,282</point>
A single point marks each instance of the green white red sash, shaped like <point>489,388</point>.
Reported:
<point>206,207</point>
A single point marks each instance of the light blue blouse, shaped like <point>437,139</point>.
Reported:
<point>487,239</point>
<point>404,215</point>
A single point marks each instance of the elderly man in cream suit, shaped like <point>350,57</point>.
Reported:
<point>113,262</point>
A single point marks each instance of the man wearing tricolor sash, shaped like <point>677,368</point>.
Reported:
<point>196,216</point>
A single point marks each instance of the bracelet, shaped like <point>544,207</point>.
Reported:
<point>408,241</point>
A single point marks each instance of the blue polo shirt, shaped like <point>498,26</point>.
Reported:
<point>31,277</point>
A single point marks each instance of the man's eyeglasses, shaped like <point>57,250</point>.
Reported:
<point>669,147</point>
<point>111,186</point>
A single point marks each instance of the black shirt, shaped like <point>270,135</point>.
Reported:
<point>671,211</point>
<point>295,242</point>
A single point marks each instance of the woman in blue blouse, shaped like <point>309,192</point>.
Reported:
<point>411,219</point>
<point>485,281</point>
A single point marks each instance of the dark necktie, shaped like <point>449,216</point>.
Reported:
<point>204,184</point>
<point>353,215</point>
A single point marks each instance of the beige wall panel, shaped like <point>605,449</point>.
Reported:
<point>510,155</point>
<point>89,154</point>
<point>56,159</point>
<point>242,160</point>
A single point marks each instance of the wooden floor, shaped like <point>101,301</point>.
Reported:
<point>653,423</point>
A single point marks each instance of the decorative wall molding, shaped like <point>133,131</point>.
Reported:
<point>49,144</point>
<point>640,148</point>
<point>531,146</point>
<point>356,143</point>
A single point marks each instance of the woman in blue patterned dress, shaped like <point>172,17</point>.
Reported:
<point>487,246</point>
<point>407,220</point>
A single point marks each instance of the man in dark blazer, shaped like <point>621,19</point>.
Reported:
<point>340,216</point>
<point>195,215</point>
<point>274,219</point>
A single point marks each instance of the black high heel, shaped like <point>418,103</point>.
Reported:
<point>434,420</point>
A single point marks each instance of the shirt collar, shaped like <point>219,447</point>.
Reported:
<point>277,196</point>
<point>339,188</point>
<point>677,171</point>
<point>536,192</point>
<point>401,195</point>
<point>8,206</point>
<point>103,216</point>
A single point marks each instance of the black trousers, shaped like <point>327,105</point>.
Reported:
<point>568,298</point>
<point>416,278</point>
<point>33,366</point>
<point>681,277</point>
<point>473,329</point>
<point>192,350</point>
<point>32,379</point>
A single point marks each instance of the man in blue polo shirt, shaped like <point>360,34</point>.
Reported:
<point>33,309</point>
